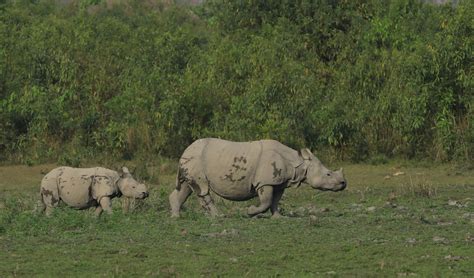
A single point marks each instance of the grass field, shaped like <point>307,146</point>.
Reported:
<point>396,219</point>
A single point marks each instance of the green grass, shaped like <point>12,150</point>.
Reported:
<point>420,222</point>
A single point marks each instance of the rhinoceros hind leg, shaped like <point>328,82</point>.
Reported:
<point>208,204</point>
<point>265,194</point>
<point>40,206</point>
<point>50,200</point>
<point>177,198</point>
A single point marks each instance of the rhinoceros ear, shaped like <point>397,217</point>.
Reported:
<point>124,172</point>
<point>306,154</point>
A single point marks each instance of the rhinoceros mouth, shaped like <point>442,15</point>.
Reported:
<point>341,187</point>
<point>144,195</point>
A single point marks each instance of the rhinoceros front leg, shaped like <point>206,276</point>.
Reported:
<point>265,194</point>
<point>106,205</point>
<point>277,193</point>
<point>98,211</point>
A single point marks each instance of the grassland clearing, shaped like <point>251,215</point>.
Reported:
<point>395,219</point>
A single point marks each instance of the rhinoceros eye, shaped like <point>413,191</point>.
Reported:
<point>328,174</point>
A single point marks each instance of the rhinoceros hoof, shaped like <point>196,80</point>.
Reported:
<point>253,210</point>
<point>278,216</point>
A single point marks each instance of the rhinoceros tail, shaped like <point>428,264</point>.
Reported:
<point>178,182</point>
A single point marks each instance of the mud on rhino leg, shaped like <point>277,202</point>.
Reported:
<point>208,204</point>
<point>277,194</point>
<point>178,197</point>
<point>265,194</point>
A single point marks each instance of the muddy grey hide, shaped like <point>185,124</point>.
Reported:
<point>243,170</point>
<point>88,187</point>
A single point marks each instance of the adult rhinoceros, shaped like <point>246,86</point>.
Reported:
<point>88,187</point>
<point>242,170</point>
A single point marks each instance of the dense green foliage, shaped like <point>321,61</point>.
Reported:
<point>137,78</point>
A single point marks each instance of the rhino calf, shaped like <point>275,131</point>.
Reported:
<point>243,170</point>
<point>88,187</point>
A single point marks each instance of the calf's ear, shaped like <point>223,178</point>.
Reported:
<point>306,154</point>
<point>124,172</point>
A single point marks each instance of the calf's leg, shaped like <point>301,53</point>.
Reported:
<point>49,196</point>
<point>98,211</point>
<point>106,205</point>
